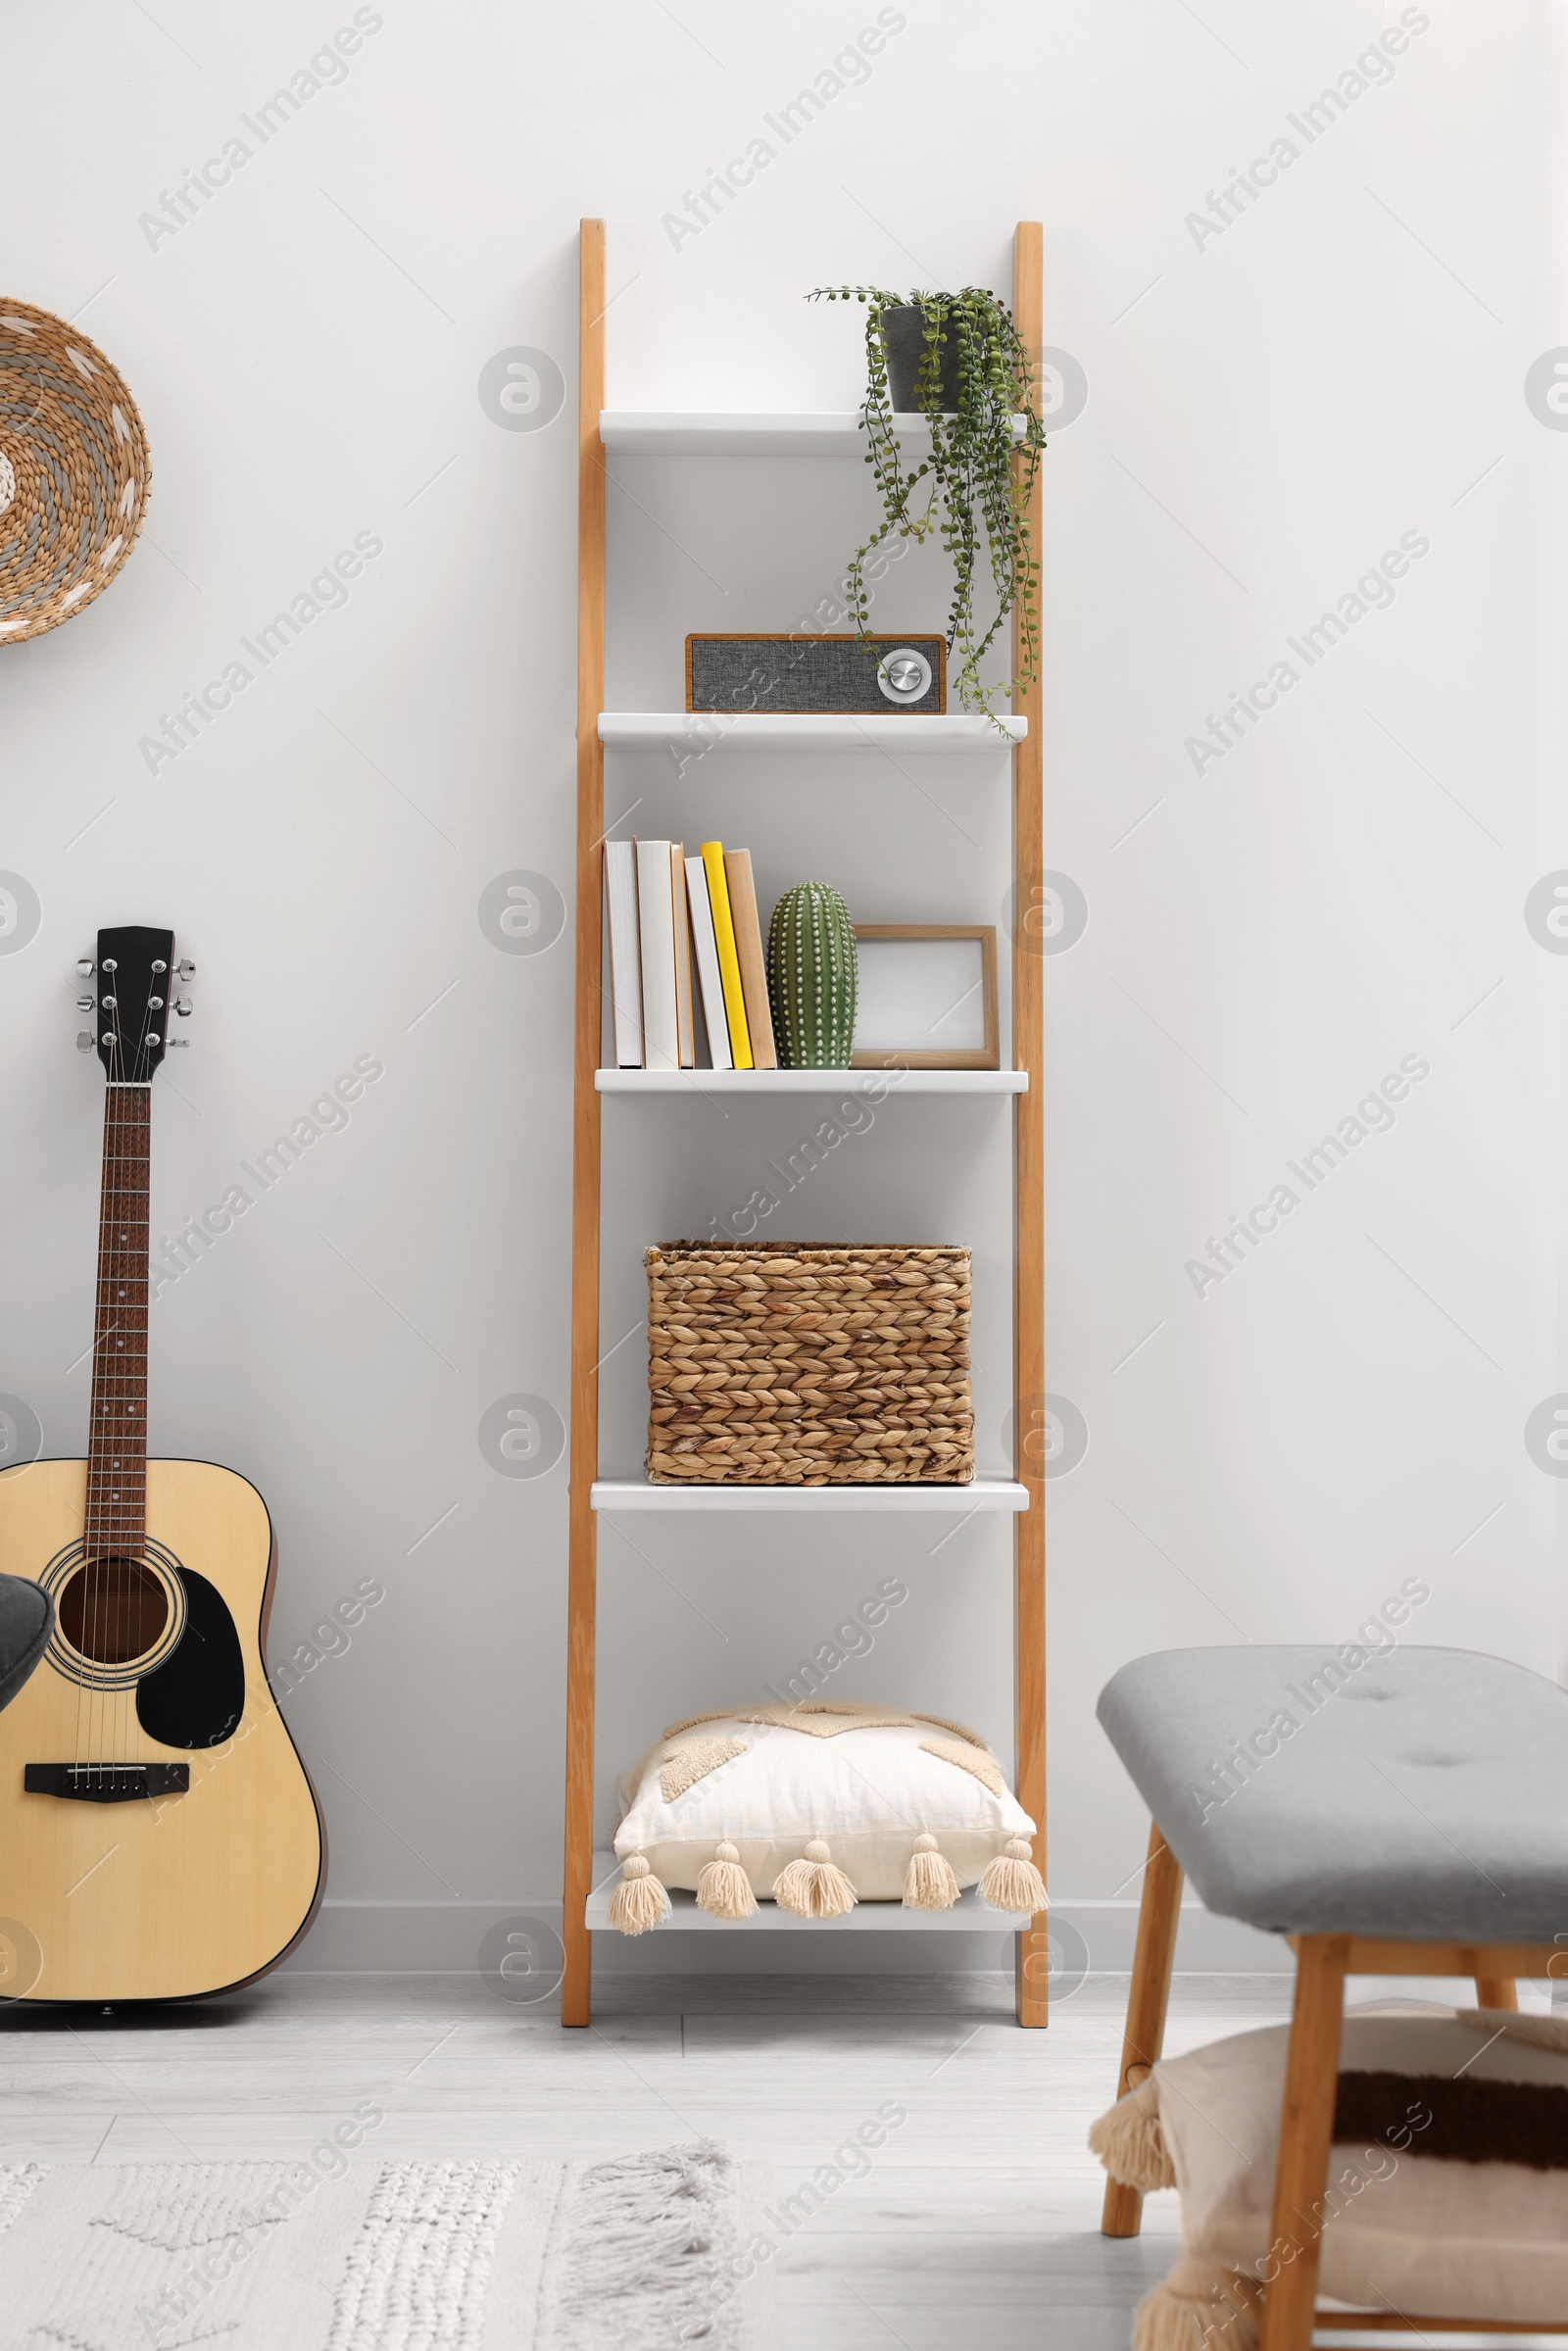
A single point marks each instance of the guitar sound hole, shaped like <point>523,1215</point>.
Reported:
<point>113,1610</point>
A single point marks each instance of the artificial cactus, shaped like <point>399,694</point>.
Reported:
<point>811,978</point>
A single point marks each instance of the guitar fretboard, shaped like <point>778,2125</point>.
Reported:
<point>117,1449</point>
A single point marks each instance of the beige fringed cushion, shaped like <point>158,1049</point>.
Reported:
<point>1433,2234</point>
<point>867,1781</point>
<point>986,1769</point>
<point>828,1718</point>
<point>691,1760</point>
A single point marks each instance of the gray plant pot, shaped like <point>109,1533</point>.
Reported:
<point>904,341</point>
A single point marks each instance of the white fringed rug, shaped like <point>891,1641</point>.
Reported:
<point>641,2253</point>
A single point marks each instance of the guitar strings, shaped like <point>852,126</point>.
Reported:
<point>110,1707</point>
<point>144,1154</point>
<point>106,1701</point>
<point>113,1569</point>
<point>136,1129</point>
<point>92,1615</point>
<point>88,1531</point>
<point>93,1570</point>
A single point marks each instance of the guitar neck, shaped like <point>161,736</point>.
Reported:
<point>116,1450</point>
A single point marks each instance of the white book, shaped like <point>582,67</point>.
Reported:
<point>685,1025</point>
<point>626,955</point>
<point>706,946</point>
<point>656,919</point>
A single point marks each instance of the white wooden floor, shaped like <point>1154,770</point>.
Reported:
<point>977,2222</point>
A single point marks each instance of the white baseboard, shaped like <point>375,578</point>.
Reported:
<point>1205,1944</point>
<point>368,1937</point>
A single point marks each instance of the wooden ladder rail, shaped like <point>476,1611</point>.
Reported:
<point>1033,1957</point>
<point>577,1978</point>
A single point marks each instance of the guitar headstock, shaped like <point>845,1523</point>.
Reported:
<point>134,994</point>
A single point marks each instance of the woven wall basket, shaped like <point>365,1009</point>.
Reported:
<point>789,1365</point>
<point>74,471</point>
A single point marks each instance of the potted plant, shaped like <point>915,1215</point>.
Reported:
<point>957,360</point>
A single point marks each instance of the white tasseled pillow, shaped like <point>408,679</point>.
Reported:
<point>1430,2235</point>
<point>768,1790</point>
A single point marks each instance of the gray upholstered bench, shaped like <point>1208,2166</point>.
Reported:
<point>1399,1814</point>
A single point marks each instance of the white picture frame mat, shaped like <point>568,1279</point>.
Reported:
<point>920,994</point>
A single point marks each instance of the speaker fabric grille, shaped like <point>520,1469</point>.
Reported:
<point>821,675</point>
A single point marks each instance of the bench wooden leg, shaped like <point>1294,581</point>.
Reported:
<point>1144,2034</point>
<point>1496,1991</point>
<point>1306,2134</point>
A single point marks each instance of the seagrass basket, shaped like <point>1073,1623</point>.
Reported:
<point>784,1364</point>
<point>74,471</point>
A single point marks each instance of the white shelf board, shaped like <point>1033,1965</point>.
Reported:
<point>751,432</point>
<point>877,1085</point>
<point>636,1494</point>
<point>703,731</point>
<point>968,1916</point>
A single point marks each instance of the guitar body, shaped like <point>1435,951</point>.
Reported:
<point>181,1894</point>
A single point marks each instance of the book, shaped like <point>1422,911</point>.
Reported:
<point>626,952</point>
<point>749,954</point>
<point>685,1029</point>
<point>707,951</point>
<point>729,970</point>
<point>655,924</point>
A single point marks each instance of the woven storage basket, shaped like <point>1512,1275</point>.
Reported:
<point>74,471</point>
<point>790,1365</point>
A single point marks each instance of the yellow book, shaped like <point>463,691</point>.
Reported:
<point>730,967</point>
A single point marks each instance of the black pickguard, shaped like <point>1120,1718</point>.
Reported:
<point>197,1696</point>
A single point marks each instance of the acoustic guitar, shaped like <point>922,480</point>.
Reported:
<point>159,1837</point>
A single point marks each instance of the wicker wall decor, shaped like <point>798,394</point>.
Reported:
<point>783,1364</point>
<point>74,471</point>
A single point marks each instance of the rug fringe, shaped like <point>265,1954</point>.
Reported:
<point>638,2253</point>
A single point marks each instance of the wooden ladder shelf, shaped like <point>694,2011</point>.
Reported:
<point>1029,1525</point>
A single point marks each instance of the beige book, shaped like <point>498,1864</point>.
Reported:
<point>749,954</point>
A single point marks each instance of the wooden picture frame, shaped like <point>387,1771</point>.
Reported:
<point>887,1054</point>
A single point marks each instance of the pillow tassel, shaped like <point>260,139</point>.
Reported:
<point>1195,2304</point>
<point>1012,1882</point>
<point>639,1901</point>
<point>929,1883</point>
<point>1130,2142</point>
<point>723,1890</point>
<point>813,1887</point>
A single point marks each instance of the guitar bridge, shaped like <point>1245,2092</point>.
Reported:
<point>105,1783</point>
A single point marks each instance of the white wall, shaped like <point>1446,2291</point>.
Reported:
<point>1269,409</point>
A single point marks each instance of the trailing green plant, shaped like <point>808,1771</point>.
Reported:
<point>981,477</point>
<point>813,975</point>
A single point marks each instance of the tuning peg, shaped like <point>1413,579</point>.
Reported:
<point>184,1006</point>
<point>86,966</point>
<point>110,963</point>
<point>153,1036</point>
<point>184,969</point>
<point>160,966</point>
<point>85,1041</point>
<point>174,1044</point>
<point>85,1003</point>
